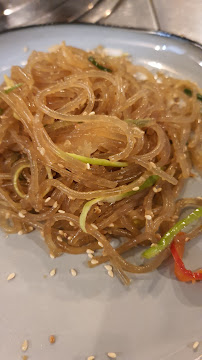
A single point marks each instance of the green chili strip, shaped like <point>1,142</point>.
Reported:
<point>199,96</point>
<point>1,111</point>
<point>99,66</point>
<point>151,180</point>
<point>168,237</point>
<point>7,91</point>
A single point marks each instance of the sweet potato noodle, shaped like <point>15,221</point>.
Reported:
<point>71,133</point>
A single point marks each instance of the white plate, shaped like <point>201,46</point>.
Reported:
<point>157,317</point>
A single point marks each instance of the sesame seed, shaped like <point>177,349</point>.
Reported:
<point>92,113</point>
<point>136,188</point>
<point>55,204</point>
<point>195,345</point>
<point>90,256</point>
<point>30,228</point>
<point>73,272</point>
<point>11,276</point>
<point>111,355</point>
<point>94,226</point>
<point>153,244</point>
<point>61,166</point>
<point>110,273</point>
<point>158,236</point>
<point>24,346</point>
<point>91,357</point>
<point>59,238</point>
<point>25,49</point>
<point>52,339</point>
<point>100,203</point>
<point>52,256</point>
<point>71,223</point>
<point>100,244</point>
<point>47,199</point>
<point>108,267</point>
<point>152,164</point>
<point>187,239</point>
<point>88,166</point>
<point>21,214</point>
<point>69,237</point>
<point>7,215</point>
<point>61,232</point>
<point>97,210</point>
<point>20,232</point>
<point>157,190</point>
<point>94,262</point>
<point>61,211</point>
<point>148,217</point>
<point>84,113</point>
<point>53,272</point>
<point>111,225</point>
<point>89,251</point>
<point>41,150</point>
<point>71,197</point>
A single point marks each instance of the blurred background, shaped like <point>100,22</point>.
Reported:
<point>180,17</point>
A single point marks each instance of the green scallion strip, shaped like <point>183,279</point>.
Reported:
<point>1,111</point>
<point>7,91</point>
<point>188,92</point>
<point>199,96</point>
<point>96,161</point>
<point>139,122</point>
<point>151,180</point>
<point>99,66</point>
<point>167,239</point>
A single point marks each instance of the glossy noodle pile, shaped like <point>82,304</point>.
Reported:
<point>92,148</point>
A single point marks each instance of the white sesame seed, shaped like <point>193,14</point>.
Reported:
<point>187,239</point>
<point>108,267</point>
<point>152,164</point>
<point>69,237</point>
<point>94,262</point>
<point>111,355</point>
<point>59,238</point>
<point>61,232</point>
<point>153,244</point>
<point>89,251</point>
<point>110,273</point>
<point>52,256</point>
<point>55,204</point>
<point>195,345</point>
<point>148,217</point>
<point>88,166</point>
<point>20,232</point>
<point>73,272</point>
<point>11,276</point>
<point>61,211</point>
<point>24,346</point>
<point>157,190</point>
<point>41,150</point>
<point>21,215</point>
<point>90,256</point>
<point>47,199</point>
<point>84,113</point>
<point>111,225</point>
<point>136,188</point>
<point>71,223</point>
<point>100,244</point>
<point>53,272</point>
<point>94,226</point>
<point>91,358</point>
<point>92,113</point>
<point>71,197</point>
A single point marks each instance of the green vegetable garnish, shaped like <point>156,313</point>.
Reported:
<point>199,96</point>
<point>111,199</point>
<point>96,161</point>
<point>189,93</point>
<point>99,66</point>
<point>1,111</point>
<point>7,91</point>
<point>139,122</point>
<point>168,237</point>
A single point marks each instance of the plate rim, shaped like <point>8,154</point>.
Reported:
<point>159,33</point>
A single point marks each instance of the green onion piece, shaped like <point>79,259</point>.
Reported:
<point>7,91</point>
<point>96,161</point>
<point>100,67</point>
<point>151,180</point>
<point>168,237</point>
<point>1,111</point>
<point>139,122</point>
<point>199,96</point>
<point>188,92</point>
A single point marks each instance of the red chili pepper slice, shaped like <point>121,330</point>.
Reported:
<point>177,250</point>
